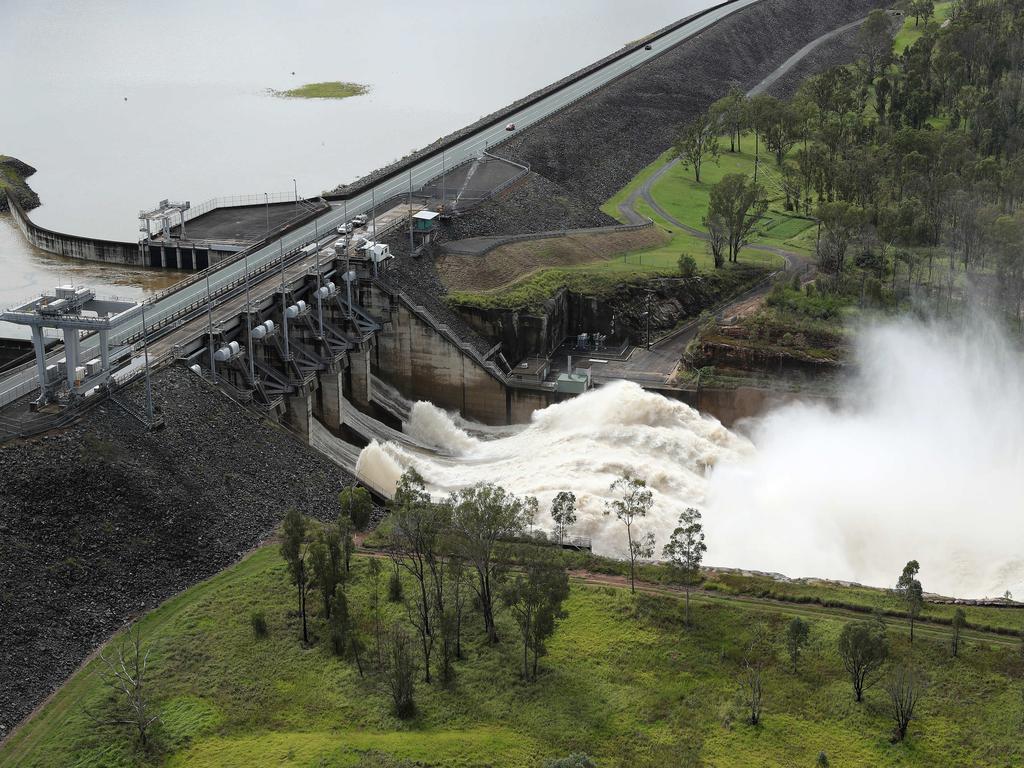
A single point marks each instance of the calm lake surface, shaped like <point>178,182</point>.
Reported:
<point>121,104</point>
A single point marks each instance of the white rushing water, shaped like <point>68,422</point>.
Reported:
<point>581,445</point>
<point>924,461</point>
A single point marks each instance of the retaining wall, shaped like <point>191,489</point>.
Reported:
<point>73,246</point>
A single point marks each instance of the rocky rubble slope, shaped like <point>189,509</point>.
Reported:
<point>102,521</point>
<point>593,148</point>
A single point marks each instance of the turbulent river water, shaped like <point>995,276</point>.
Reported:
<point>923,461</point>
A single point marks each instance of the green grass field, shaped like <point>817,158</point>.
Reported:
<point>910,33</point>
<point>594,278</point>
<point>687,201</point>
<point>624,682</point>
<point>330,90</point>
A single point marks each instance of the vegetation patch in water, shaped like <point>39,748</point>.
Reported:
<point>334,89</point>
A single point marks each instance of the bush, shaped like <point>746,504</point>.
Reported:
<point>572,761</point>
<point>259,624</point>
<point>812,303</point>
<point>687,265</point>
<point>399,669</point>
<point>395,588</point>
<point>355,501</point>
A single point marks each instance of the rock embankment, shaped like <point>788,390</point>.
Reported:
<point>13,173</point>
<point>593,148</point>
<point>102,521</point>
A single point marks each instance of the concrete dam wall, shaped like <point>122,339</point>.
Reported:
<point>73,246</point>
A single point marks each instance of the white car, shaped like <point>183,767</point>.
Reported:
<point>345,229</point>
<point>360,220</point>
<point>510,127</point>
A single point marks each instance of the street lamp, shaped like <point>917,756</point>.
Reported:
<point>648,313</point>
<point>266,199</point>
<point>295,187</point>
<point>149,387</point>
<point>209,309</point>
<point>248,326</point>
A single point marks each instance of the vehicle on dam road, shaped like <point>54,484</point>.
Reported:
<point>510,127</point>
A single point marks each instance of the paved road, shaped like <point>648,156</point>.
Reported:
<point>16,384</point>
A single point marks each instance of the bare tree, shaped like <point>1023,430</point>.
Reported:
<point>374,569</point>
<point>399,671</point>
<point>123,671</point>
<point>636,501</point>
<point>905,687</point>
<point>752,674</point>
<point>875,42</point>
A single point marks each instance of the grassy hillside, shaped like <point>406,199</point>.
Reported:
<point>624,682</point>
<point>911,32</point>
<point>679,194</point>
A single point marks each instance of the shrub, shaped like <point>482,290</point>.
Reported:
<point>572,761</point>
<point>687,265</point>
<point>399,669</point>
<point>355,501</point>
<point>259,624</point>
<point>395,588</point>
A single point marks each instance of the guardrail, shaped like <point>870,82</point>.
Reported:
<point>237,201</point>
<point>395,169</point>
<point>444,329</point>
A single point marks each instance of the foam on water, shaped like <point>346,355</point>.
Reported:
<point>581,445</point>
<point>925,461</point>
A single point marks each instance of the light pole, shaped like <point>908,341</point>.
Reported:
<point>248,326</point>
<point>149,386</point>
<point>266,199</point>
<point>295,187</point>
<point>209,309</point>
<point>284,304</point>
<point>648,313</point>
<point>412,245</point>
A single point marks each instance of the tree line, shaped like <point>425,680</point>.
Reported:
<point>912,162</point>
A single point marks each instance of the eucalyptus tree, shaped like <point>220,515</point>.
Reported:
<point>633,500</point>
<point>482,517</point>
<point>685,552</point>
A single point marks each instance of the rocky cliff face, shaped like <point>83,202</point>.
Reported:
<point>104,520</point>
<point>620,313</point>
